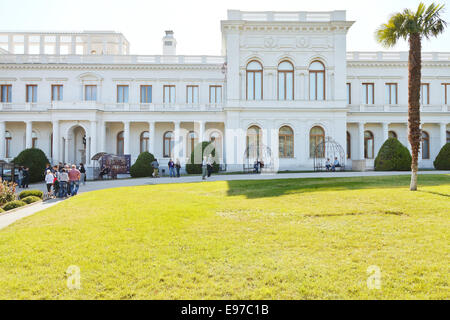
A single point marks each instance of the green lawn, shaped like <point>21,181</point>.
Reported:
<point>280,239</point>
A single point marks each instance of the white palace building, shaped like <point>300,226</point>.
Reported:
<point>284,82</point>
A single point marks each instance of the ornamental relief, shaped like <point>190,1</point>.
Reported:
<point>287,42</point>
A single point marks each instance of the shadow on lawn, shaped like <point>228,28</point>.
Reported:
<point>273,188</point>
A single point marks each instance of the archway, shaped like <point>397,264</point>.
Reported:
<point>76,145</point>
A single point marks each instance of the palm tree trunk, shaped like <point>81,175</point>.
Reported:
<point>414,84</point>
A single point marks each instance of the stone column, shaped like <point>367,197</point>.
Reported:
<point>93,139</point>
<point>88,150</point>
<point>201,131</point>
<point>103,136</point>
<point>55,142</point>
<point>361,141</point>
<point>28,134</point>
<point>2,140</point>
<point>66,149</point>
<point>126,137</point>
<point>177,145</point>
<point>443,134</point>
<point>152,138</point>
<point>385,132</point>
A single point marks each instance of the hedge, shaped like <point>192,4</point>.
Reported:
<point>143,166</point>
<point>13,205</point>
<point>393,156</point>
<point>442,161</point>
<point>196,168</point>
<point>34,193</point>
<point>36,160</point>
<point>31,199</point>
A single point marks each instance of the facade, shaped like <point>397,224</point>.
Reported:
<point>284,82</point>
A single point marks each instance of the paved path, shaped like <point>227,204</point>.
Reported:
<point>7,219</point>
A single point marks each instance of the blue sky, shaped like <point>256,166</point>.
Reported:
<point>196,22</point>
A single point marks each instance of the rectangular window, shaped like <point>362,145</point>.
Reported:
<point>122,94</point>
<point>215,94</point>
<point>446,96</point>
<point>57,92</point>
<point>425,94</point>
<point>349,93</point>
<point>31,95</point>
<point>90,93</point>
<point>5,93</point>
<point>391,93</point>
<point>169,94</point>
<point>369,93</point>
<point>146,94</point>
<point>192,94</point>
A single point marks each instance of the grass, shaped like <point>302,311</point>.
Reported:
<point>280,239</point>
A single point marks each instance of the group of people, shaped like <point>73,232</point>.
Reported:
<point>258,165</point>
<point>174,166</point>
<point>24,177</point>
<point>64,180</point>
<point>332,166</point>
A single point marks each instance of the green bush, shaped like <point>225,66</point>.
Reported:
<point>196,168</point>
<point>393,156</point>
<point>143,166</point>
<point>31,199</point>
<point>13,205</point>
<point>442,161</point>
<point>36,160</point>
<point>34,193</point>
<point>1,210</point>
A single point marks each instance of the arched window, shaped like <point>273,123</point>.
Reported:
<point>425,145</point>
<point>316,137</point>
<point>8,138</point>
<point>168,144</point>
<point>144,141</point>
<point>392,135</point>
<point>349,145</point>
<point>286,142</point>
<point>369,145</point>
<point>254,81</point>
<point>192,140</point>
<point>34,139</point>
<point>120,143</point>
<point>254,142</point>
<point>285,81</point>
<point>317,81</point>
<point>216,139</point>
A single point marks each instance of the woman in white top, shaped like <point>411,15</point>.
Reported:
<point>49,177</point>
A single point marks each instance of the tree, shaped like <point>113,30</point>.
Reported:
<point>393,156</point>
<point>413,26</point>
<point>36,160</point>
<point>143,165</point>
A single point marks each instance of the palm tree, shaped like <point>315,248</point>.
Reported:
<point>413,26</point>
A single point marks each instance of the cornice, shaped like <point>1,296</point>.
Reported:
<point>216,67</point>
<point>287,26</point>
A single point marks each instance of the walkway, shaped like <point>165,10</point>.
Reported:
<point>8,219</point>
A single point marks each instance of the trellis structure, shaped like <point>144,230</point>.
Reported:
<point>329,149</point>
<point>260,153</point>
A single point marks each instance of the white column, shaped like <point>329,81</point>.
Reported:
<point>93,139</point>
<point>88,150</point>
<point>201,131</point>
<point>126,137</point>
<point>177,145</point>
<point>73,45</point>
<point>385,131</point>
<point>152,138</point>
<point>2,140</point>
<point>103,136</point>
<point>443,135</point>
<point>361,141</point>
<point>28,134</point>
<point>66,149</point>
<point>55,142</point>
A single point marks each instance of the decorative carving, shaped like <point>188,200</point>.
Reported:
<point>270,42</point>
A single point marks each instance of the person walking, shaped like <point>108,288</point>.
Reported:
<point>82,170</point>
<point>49,177</point>
<point>63,183</point>
<point>209,164</point>
<point>178,167</point>
<point>20,177</point>
<point>56,174</point>
<point>26,177</point>
<point>155,166</point>
<point>171,166</point>
<point>204,168</point>
<point>74,178</point>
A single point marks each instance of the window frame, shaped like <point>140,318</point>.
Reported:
<point>366,139</point>
<point>8,141</point>
<point>118,139</point>
<point>215,87</point>
<point>286,73</point>
<point>285,137</point>
<point>33,93</point>
<point>171,144</point>
<point>316,136</point>
<point>146,87</point>
<point>170,86</point>
<point>349,93</point>
<point>8,93</point>
<point>123,87</point>
<point>316,72</point>
<point>349,145</point>
<point>427,85</point>
<point>254,72</point>
<point>146,139</point>
<point>389,85</point>
<point>90,86</point>
<point>427,139</point>
<point>34,139</point>
<point>59,90</point>
<point>192,87</point>
<point>446,96</point>
<point>367,85</point>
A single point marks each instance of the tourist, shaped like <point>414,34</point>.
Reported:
<point>171,166</point>
<point>63,183</point>
<point>256,166</point>
<point>26,177</point>
<point>20,177</point>
<point>204,168</point>
<point>49,177</point>
<point>56,174</point>
<point>178,167</point>
<point>74,180</point>
<point>155,166</point>
<point>209,165</point>
<point>328,165</point>
<point>82,170</point>
<point>336,164</point>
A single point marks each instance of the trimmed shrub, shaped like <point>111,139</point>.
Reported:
<point>143,166</point>
<point>393,156</point>
<point>34,193</point>
<point>13,205</point>
<point>31,199</point>
<point>36,160</point>
<point>195,165</point>
<point>442,161</point>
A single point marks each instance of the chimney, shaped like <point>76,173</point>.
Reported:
<point>169,44</point>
